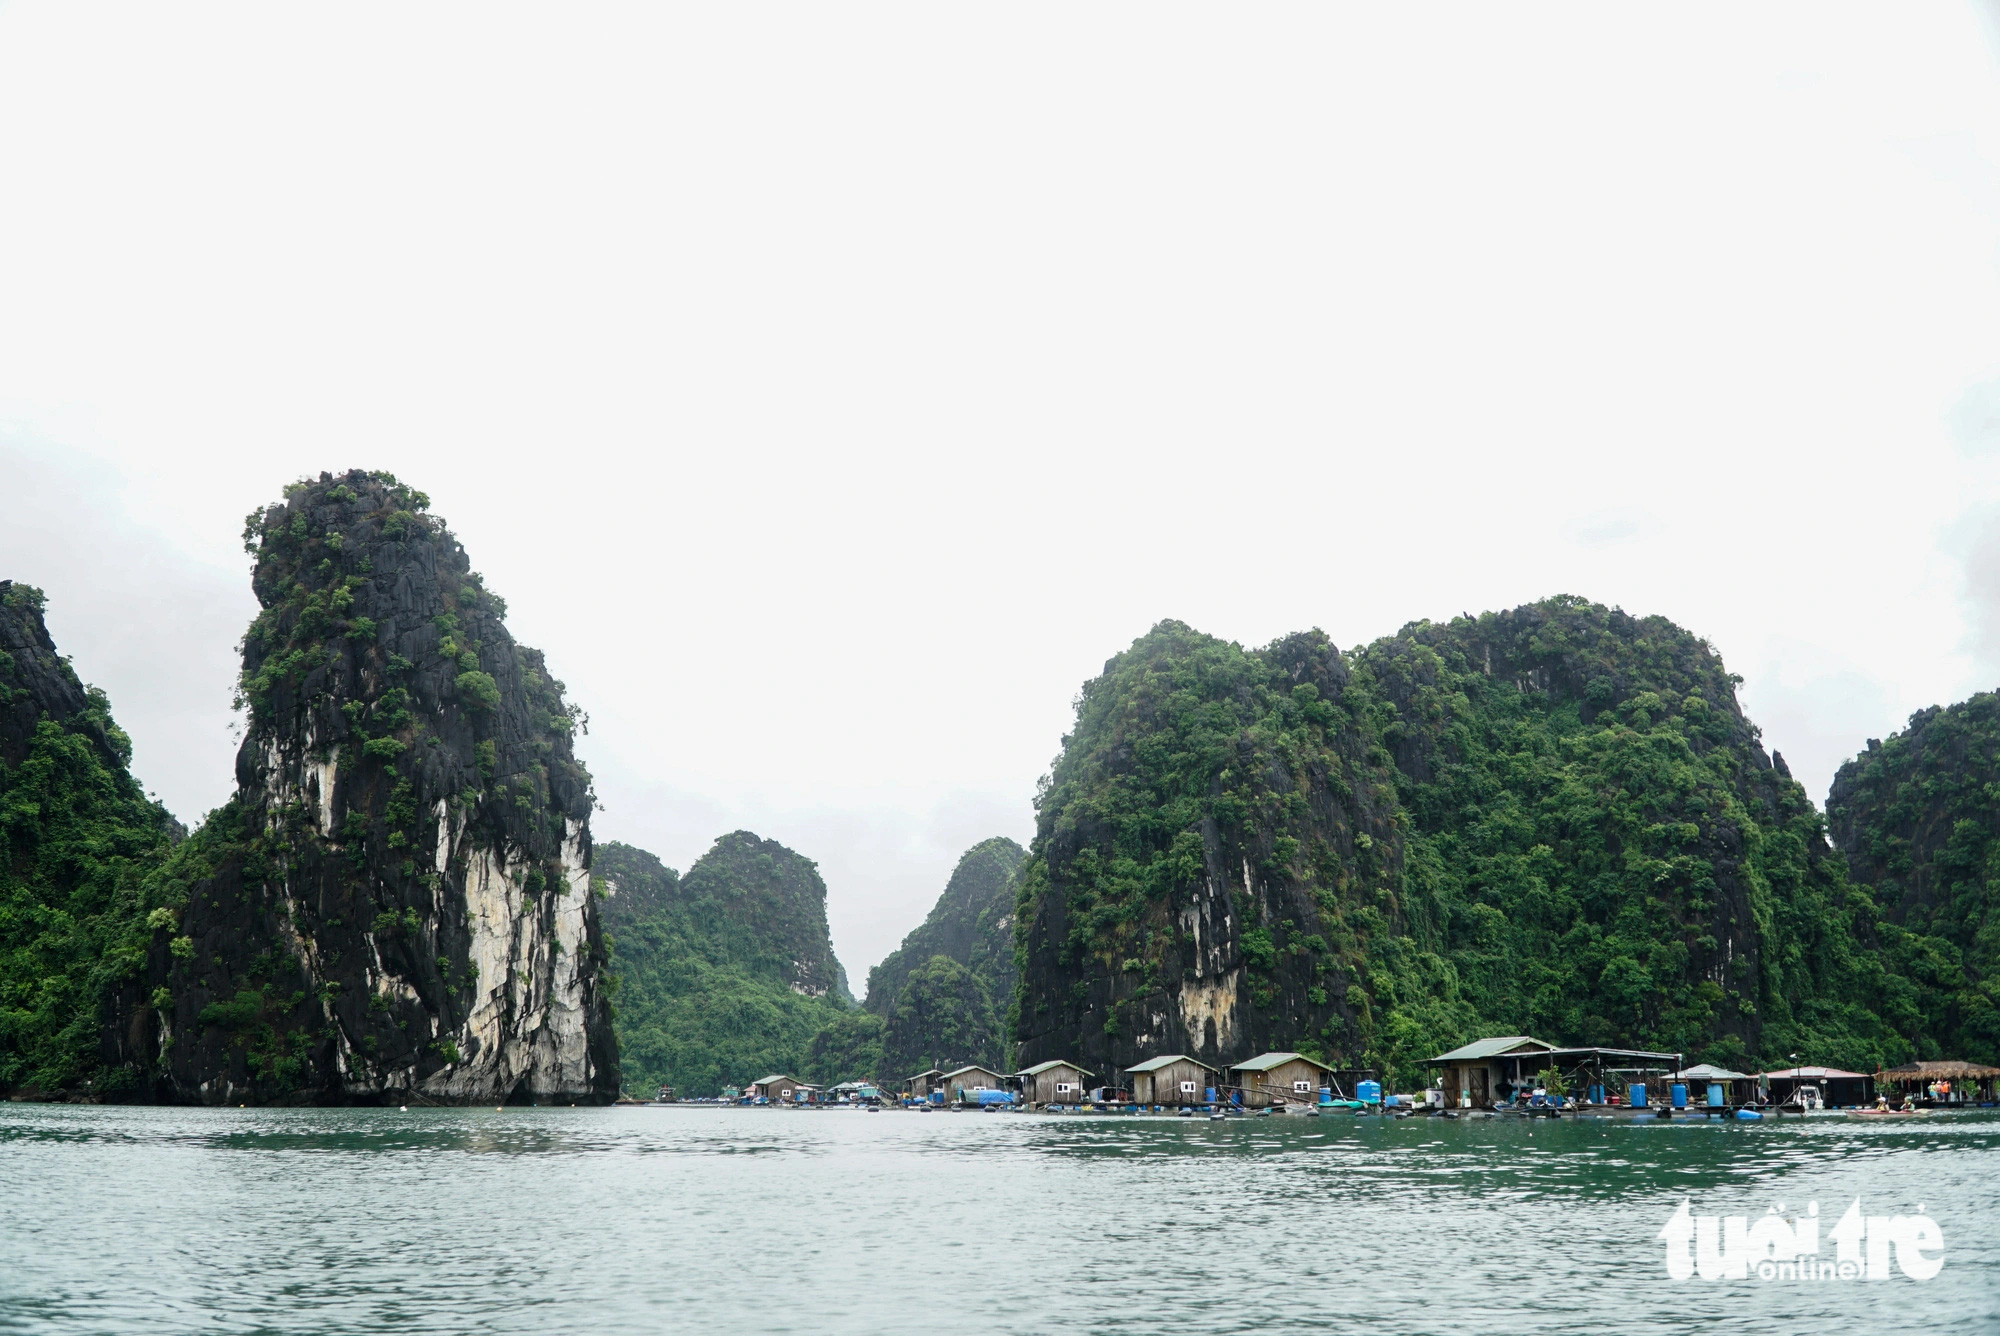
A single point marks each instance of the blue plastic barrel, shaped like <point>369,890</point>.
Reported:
<point>1715,1094</point>
<point>1210,1096</point>
<point>1597,1094</point>
<point>1679,1094</point>
<point>1637,1094</point>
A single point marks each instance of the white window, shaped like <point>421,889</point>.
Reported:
<point>1064,1088</point>
<point>1187,1087</point>
<point>1302,1087</point>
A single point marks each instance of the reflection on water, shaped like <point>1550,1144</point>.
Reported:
<point>680,1219</point>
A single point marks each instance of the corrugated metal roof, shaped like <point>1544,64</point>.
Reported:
<point>1155,1064</point>
<point>1812,1074</point>
<point>1708,1071</point>
<point>1264,1062</point>
<point>780,1076</point>
<point>969,1067</point>
<point>1492,1048</point>
<point>1041,1067</point>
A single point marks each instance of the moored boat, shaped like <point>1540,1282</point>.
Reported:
<point>1886,1115</point>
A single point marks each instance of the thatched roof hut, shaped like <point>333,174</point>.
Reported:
<point>1938,1071</point>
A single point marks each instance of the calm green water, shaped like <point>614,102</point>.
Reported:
<point>669,1220</point>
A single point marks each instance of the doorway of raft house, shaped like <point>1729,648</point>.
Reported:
<point>1480,1098</point>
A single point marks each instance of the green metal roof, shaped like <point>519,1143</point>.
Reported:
<point>1264,1062</point>
<point>1505,1045</point>
<point>969,1067</point>
<point>1155,1064</point>
<point>1041,1067</point>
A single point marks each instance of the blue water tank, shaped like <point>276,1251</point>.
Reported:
<point>1369,1092</point>
<point>1679,1095</point>
<point>1637,1094</point>
<point>1715,1093</point>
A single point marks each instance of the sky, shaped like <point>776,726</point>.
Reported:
<point>831,390</point>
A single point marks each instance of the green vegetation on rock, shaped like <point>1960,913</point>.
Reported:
<point>1918,817</point>
<point>972,925</point>
<point>944,1017</point>
<point>1553,820</point>
<point>78,841</point>
<point>727,974</point>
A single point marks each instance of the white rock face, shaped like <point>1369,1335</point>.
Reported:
<point>526,1030</point>
<point>525,1036</point>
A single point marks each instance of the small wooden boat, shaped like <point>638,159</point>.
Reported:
<point>1886,1115</point>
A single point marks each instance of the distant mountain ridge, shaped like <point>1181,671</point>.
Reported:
<point>945,992</point>
<point>972,922</point>
<point>726,969</point>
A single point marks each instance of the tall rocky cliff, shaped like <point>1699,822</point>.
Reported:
<point>1918,817</point>
<point>944,992</point>
<point>1554,820</point>
<point>78,840</point>
<point>395,906</point>
<point>728,973</point>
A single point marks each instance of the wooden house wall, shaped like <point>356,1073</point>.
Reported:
<point>1166,1084</point>
<point>966,1081</point>
<point>1259,1088</point>
<point>1042,1086</point>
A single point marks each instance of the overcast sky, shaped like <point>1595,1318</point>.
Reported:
<point>831,389</point>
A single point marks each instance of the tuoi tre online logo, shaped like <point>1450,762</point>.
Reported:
<point>1787,1248</point>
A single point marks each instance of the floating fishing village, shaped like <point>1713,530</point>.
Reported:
<point>1513,1076</point>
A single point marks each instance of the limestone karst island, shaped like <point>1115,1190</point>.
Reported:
<point>1531,861</point>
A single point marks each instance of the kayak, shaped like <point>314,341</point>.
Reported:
<point>1886,1115</point>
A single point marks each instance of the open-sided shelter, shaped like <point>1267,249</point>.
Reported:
<point>1837,1089</point>
<point>1492,1071</point>
<point>1941,1082</point>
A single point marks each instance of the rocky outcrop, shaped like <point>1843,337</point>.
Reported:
<point>764,907</point>
<point>728,973</point>
<point>1553,820</point>
<point>396,904</point>
<point>78,839</point>
<point>971,923</point>
<point>1917,817</point>
<point>35,681</point>
<point>1213,822</point>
